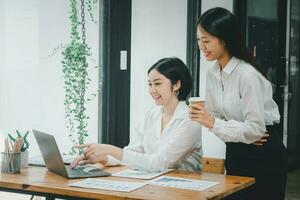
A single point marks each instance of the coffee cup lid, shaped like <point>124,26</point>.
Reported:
<point>195,99</point>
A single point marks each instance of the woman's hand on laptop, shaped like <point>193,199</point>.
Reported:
<point>96,153</point>
<point>79,160</point>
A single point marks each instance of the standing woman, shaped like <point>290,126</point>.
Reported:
<point>239,108</point>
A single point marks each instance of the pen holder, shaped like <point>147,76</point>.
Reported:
<point>10,163</point>
<point>24,159</point>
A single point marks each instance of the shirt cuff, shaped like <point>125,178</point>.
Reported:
<point>112,161</point>
<point>217,125</point>
<point>127,157</point>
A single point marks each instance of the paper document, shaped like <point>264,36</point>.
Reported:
<point>130,173</point>
<point>103,184</point>
<point>182,183</point>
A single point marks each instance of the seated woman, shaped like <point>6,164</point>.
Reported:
<point>167,138</point>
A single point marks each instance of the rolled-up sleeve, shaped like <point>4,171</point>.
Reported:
<point>184,139</point>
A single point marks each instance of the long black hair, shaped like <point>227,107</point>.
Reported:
<point>175,70</point>
<point>222,24</point>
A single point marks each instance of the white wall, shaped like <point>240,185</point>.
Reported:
<point>1,69</point>
<point>31,81</point>
<point>158,30</point>
<point>207,4</point>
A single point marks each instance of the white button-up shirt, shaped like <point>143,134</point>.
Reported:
<point>178,146</point>
<point>240,99</point>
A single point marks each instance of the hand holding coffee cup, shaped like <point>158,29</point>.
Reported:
<point>199,113</point>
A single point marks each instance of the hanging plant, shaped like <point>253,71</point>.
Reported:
<point>74,63</point>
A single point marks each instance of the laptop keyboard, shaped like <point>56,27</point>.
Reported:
<point>77,171</point>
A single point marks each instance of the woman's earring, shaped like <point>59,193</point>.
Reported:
<point>176,93</point>
<point>224,44</point>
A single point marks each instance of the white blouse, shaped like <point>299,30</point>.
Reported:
<point>178,146</point>
<point>240,99</point>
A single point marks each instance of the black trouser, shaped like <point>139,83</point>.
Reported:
<point>267,164</point>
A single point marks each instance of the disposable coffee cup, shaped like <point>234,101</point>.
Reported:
<point>197,100</point>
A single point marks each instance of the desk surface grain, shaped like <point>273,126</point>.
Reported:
<point>39,179</point>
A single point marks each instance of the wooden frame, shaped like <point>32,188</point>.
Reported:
<point>114,101</point>
<point>192,50</point>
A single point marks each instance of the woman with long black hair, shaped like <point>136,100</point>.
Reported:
<point>239,108</point>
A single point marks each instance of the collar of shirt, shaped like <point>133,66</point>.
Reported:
<point>181,112</point>
<point>227,70</point>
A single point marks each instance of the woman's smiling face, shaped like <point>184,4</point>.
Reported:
<point>160,88</point>
<point>212,47</point>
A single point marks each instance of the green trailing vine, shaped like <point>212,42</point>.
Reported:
<point>75,63</point>
<point>90,4</point>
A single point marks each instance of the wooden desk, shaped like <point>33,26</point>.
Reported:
<point>39,181</point>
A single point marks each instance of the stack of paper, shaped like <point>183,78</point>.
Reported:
<point>108,185</point>
<point>129,173</point>
<point>182,183</point>
<point>125,186</point>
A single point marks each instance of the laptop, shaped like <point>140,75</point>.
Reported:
<point>54,161</point>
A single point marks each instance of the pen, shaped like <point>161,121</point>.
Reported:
<point>10,147</point>
<point>84,154</point>
<point>18,145</point>
<point>6,145</point>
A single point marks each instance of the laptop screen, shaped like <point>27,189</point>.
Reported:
<point>50,152</point>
